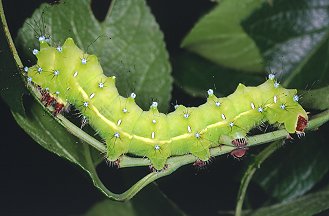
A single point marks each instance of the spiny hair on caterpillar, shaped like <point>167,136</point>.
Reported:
<point>155,170</point>
<point>110,163</point>
<point>127,129</point>
<point>84,121</point>
<point>39,28</point>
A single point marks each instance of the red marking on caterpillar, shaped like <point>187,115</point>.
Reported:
<point>239,153</point>
<point>241,147</point>
<point>48,100</point>
<point>301,124</point>
<point>200,163</point>
<point>58,108</point>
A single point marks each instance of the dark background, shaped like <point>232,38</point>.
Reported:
<point>36,182</point>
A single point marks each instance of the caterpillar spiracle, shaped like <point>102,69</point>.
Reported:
<point>66,75</point>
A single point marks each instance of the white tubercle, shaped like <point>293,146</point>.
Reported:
<point>101,85</point>
<point>59,49</point>
<point>271,76</point>
<point>154,104</point>
<point>116,135</point>
<point>133,95</point>
<point>42,38</point>
<point>84,61</point>
<point>35,51</point>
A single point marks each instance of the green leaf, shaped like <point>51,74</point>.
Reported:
<point>11,85</point>
<point>129,44</point>
<point>311,204</point>
<point>219,37</point>
<point>153,201</point>
<point>293,36</point>
<point>196,75</point>
<point>109,207</point>
<point>53,137</point>
<point>296,168</point>
<point>316,99</point>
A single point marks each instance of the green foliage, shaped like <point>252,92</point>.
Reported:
<point>311,204</point>
<point>291,176</point>
<point>194,73</point>
<point>317,99</point>
<point>231,43</point>
<point>219,36</point>
<point>293,37</point>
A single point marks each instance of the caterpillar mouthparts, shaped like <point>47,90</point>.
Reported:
<point>67,75</point>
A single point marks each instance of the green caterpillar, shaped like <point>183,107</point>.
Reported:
<point>67,75</point>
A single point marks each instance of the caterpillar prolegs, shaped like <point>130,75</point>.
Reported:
<point>67,75</point>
